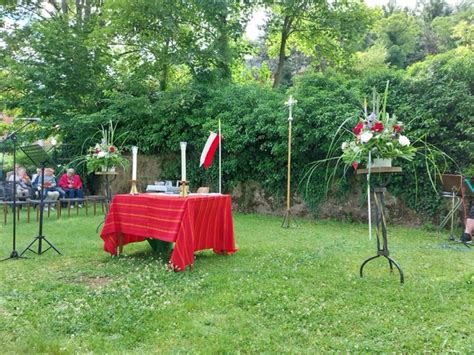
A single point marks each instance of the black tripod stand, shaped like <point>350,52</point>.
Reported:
<point>40,158</point>
<point>13,137</point>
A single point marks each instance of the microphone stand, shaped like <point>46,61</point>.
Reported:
<point>13,137</point>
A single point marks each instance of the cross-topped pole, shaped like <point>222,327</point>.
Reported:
<point>290,103</point>
<point>286,220</point>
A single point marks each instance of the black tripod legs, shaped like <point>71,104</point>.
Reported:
<point>391,262</point>
<point>40,240</point>
<point>14,255</point>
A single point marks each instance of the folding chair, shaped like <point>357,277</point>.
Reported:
<point>452,189</point>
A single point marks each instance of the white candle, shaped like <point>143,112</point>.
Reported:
<point>183,161</point>
<point>134,162</point>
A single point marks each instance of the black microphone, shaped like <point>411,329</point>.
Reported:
<point>31,119</point>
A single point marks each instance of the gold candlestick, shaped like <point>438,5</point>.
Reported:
<point>134,190</point>
<point>183,189</point>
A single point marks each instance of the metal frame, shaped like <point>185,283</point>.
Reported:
<point>381,231</point>
<point>381,234</point>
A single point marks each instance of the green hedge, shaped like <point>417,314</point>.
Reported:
<point>434,98</point>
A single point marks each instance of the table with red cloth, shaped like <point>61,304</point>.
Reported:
<point>193,223</point>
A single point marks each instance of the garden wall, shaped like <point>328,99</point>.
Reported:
<point>252,198</point>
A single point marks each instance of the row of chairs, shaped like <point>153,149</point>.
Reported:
<point>94,202</point>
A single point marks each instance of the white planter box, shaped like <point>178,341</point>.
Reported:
<point>381,163</point>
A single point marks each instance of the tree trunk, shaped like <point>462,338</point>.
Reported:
<point>64,7</point>
<point>79,13</point>
<point>285,33</point>
<point>165,70</point>
<point>225,55</point>
<point>87,10</point>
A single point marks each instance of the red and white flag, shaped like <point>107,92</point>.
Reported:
<point>209,150</point>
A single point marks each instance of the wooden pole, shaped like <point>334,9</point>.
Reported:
<point>286,219</point>
<point>288,195</point>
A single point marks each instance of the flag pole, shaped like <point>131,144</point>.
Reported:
<point>220,158</point>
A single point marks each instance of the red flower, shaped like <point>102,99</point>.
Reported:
<point>355,165</point>
<point>397,128</point>
<point>97,151</point>
<point>111,149</point>
<point>378,127</point>
<point>358,128</point>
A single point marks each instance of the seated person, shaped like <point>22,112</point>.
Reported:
<point>50,184</point>
<point>467,235</point>
<point>9,175</point>
<point>34,178</point>
<point>72,185</point>
<point>23,183</point>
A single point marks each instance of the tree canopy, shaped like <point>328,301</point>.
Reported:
<point>167,70</point>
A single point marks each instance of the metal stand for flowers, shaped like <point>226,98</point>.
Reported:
<point>382,237</point>
<point>109,177</point>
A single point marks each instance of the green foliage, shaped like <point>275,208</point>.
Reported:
<point>373,59</point>
<point>398,33</point>
<point>166,72</point>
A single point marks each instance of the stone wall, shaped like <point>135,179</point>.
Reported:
<point>252,198</point>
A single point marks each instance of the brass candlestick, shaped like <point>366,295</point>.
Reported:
<point>134,190</point>
<point>183,189</point>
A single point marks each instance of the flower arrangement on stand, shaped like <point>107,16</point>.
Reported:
<point>378,137</point>
<point>380,134</point>
<point>105,156</point>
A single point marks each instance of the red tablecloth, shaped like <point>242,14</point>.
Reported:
<point>193,223</point>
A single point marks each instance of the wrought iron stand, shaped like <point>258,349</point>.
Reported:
<point>381,231</point>
<point>109,177</point>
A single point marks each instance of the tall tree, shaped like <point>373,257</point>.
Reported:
<point>52,67</point>
<point>326,31</point>
<point>159,36</point>
<point>399,34</point>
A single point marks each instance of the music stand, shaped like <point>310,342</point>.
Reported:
<point>40,158</point>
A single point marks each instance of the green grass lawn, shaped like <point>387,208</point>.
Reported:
<point>295,290</point>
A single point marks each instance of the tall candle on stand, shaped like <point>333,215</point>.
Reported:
<point>134,162</point>
<point>183,160</point>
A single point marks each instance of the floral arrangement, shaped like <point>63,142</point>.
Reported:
<point>384,137</point>
<point>380,134</point>
<point>105,155</point>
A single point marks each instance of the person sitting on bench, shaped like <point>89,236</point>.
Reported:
<point>49,184</point>
<point>23,183</point>
<point>71,183</point>
<point>467,235</point>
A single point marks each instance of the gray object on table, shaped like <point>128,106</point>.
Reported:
<point>162,187</point>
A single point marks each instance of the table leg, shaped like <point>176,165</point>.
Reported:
<point>120,244</point>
